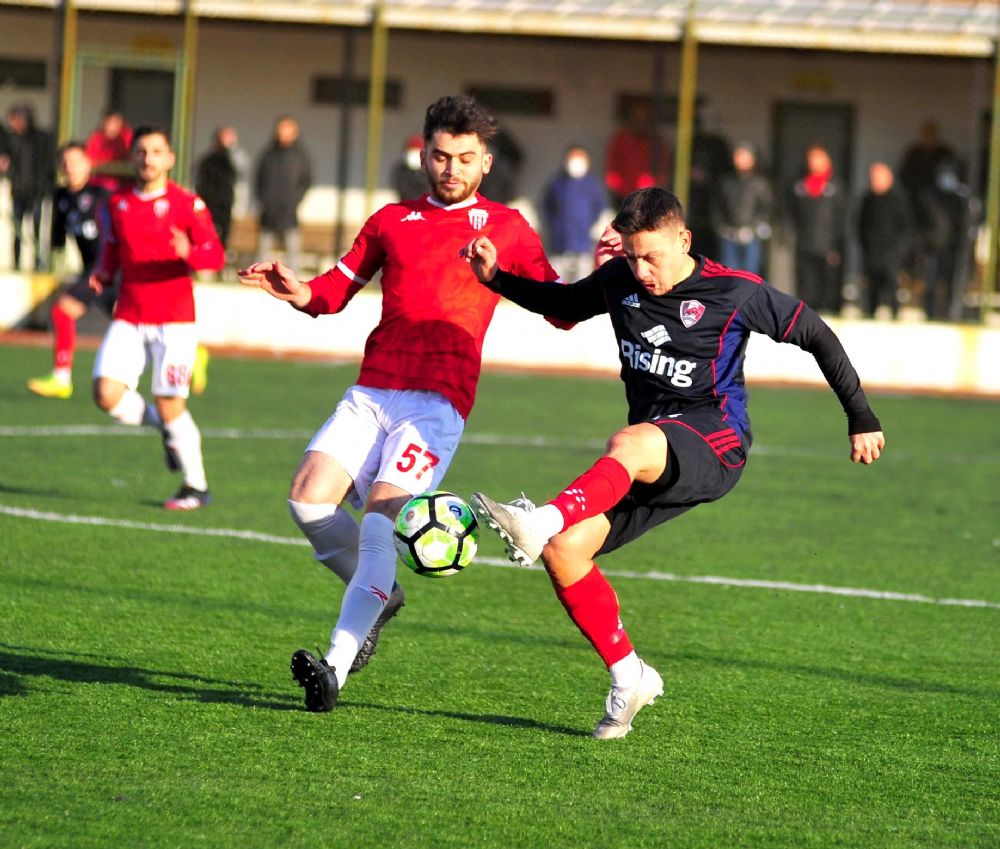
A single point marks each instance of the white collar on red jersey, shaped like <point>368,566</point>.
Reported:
<point>151,195</point>
<point>460,205</point>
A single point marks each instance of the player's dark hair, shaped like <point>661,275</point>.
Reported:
<point>150,130</point>
<point>459,115</point>
<point>646,210</point>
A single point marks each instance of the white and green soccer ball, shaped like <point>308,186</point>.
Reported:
<point>436,534</point>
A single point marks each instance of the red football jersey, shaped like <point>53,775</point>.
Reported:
<point>434,311</point>
<point>156,285</point>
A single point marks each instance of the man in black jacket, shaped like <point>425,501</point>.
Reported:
<point>284,173</point>
<point>26,159</point>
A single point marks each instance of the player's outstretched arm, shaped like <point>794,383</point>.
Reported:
<point>277,280</point>
<point>481,254</point>
<point>867,447</point>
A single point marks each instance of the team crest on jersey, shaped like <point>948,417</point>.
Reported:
<point>477,218</point>
<point>691,312</point>
<point>198,204</point>
<point>161,206</point>
<point>85,202</point>
<point>122,205</point>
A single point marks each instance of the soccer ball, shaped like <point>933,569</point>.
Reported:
<point>436,534</point>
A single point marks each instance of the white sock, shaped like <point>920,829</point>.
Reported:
<point>63,375</point>
<point>367,593</point>
<point>333,533</point>
<point>132,409</point>
<point>185,439</point>
<point>548,520</point>
<point>626,672</point>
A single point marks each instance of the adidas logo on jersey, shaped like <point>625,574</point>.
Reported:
<point>631,300</point>
<point>656,336</point>
<point>414,216</point>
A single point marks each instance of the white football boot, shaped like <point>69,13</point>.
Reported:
<point>623,703</point>
<point>513,523</point>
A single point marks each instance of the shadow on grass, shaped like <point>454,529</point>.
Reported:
<point>19,663</point>
<point>16,667</point>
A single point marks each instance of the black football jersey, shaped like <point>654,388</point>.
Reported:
<point>79,214</point>
<point>685,349</point>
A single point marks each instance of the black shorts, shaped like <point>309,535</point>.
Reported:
<point>81,291</point>
<point>705,458</point>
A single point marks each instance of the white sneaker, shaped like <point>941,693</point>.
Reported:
<point>513,523</point>
<point>623,703</point>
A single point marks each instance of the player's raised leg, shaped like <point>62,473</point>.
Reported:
<point>59,383</point>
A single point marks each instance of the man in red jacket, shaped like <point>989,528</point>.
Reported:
<point>157,234</point>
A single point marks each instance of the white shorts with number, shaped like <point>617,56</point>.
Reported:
<point>128,348</point>
<point>405,437</point>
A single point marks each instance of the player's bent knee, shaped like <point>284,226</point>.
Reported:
<point>107,393</point>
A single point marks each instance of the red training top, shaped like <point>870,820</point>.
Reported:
<point>434,311</point>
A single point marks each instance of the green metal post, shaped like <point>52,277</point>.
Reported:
<point>685,107</point>
<point>184,120</point>
<point>376,104</point>
<point>989,284</point>
<point>67,77</point>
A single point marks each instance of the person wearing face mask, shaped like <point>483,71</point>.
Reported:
<point>573,204</point>
<point>408,177</point>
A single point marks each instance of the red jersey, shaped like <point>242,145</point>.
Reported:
<point>103,150</point>
<point>156,285</point>
<point>434,311</point>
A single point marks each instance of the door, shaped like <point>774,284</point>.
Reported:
<point>143,95</point>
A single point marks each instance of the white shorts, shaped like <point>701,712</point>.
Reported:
<point>405,437</point>
<point>128,348</point>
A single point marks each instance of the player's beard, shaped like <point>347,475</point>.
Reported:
<point>457,194</point>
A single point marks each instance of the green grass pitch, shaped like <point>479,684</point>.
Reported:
<point>145,698</point>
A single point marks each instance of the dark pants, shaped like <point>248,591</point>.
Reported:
<point>882,289</point>
<point>20,208</point>
<point>818,281</point>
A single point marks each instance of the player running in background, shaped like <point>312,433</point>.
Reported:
<point>157,235</point>
<point>682,324</point>
<point>395,432</point>
<point>77,208</point>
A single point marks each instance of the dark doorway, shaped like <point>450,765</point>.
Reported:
<point>143,96</point>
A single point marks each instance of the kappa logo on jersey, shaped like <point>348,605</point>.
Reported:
<point>413,216</point>
<point>656,336</point>
<point>631,300</point>
<point>477,218</point>
<point>691,312</point>
<point>122,205</point>
<point>678,372</point>
<point>161,206</point>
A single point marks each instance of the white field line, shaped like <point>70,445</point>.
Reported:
<point>715,580</point>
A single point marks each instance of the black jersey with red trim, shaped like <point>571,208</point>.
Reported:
<point>685,349</point>
<point>78,214</point>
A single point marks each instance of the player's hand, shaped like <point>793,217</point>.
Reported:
<point>608,247</point>
<point>481,254</point>
<point>95,283</point>
<point>182,244</point>
<point>277,280</point>
<point>867,447</point>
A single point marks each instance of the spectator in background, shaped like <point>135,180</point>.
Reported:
<point>408,176</point>
<point>885,236</point>
<point>742,212</point>
<point>78,207</point>
<point>284,174</point>
<point>501,183</point>
<point>948,216</point>
<point>215,180</point>
<point>571,208</point>
<point>108,148</point>
<point>711,160</point>
<point>818,209</point>
<point>921,161</point>
<point>26,160</point>
<point>637,156</point>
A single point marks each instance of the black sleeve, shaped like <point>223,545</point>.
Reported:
<point>565,301</point>
<point>787,319</point>
<point>58,235</point>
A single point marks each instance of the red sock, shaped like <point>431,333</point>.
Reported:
<point>65,332</point>
<point>592,604</point>
<point>598,489</point>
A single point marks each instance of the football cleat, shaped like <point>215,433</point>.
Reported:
<point>171,458</point>
<point>188,498</point>
<point>513,523</point>
<point>50,386</point>
<point>367,649</point>
<point>623,703</point>
<point>199,372</point>
<point>318,679</point>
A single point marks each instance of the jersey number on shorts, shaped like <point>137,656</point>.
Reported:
<point>412,455</point>
<point>178,375</point>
